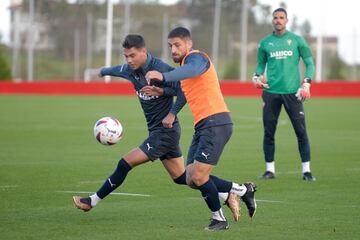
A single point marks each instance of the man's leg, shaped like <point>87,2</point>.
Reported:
<point>271,111</point>
<point>176,169</point>
<point>129,161</point>
<point>229,192</point>
<point>199,175</point>
<point>295,111</point>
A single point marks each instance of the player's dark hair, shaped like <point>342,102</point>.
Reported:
<point>280,10</point>
<point>133,40</point>
<point>179,32</point>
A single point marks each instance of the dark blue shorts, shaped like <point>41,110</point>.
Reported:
<point>208,144</point>
<point>163,143</point>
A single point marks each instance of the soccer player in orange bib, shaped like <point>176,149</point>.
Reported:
<point>212,123</point>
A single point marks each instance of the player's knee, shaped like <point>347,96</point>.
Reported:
<point>198,179</point>
<point>301,133</point>
<point>189,182</point>
<point>270,128</point>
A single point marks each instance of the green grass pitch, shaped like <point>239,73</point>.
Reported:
<point>47,151</point>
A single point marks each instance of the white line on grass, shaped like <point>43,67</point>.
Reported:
<point>352,169</point>
<point>124,194</point>
<point>269,201</point>
<point>91,182</point>
<point>4,187</point>
<point>258,200</point>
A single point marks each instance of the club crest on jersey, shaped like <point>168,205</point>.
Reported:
<point>289,41</point>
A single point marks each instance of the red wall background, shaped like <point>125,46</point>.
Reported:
<point>326,89</point>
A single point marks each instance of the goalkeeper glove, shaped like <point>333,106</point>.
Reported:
<point>258,82</point>
<point>303,92</point>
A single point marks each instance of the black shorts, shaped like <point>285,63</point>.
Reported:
<point>208,144</point>
<point>273,103</point>
<point>163,143</point>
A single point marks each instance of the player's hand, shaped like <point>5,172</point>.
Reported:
<point>153,75</point>
<point>152,91</point>
<point>259,82</point>
<point>98,72</point>
<point>168,120</point>
<point>303,93</point>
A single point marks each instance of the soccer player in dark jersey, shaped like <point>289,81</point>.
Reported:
<point>157,103</point>
<point>212,123</point>
<point>280,52</point>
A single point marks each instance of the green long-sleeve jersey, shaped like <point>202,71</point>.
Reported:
<point>282,54</point>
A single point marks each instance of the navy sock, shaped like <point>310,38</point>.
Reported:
<point>181,180</point>
<point>210,195</point>
<point>221,184</point>
<point>115,180</point>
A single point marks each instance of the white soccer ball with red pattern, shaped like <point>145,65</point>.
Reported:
<point>108,130</point>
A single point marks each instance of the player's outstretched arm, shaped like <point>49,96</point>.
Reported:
<point>122,71</point>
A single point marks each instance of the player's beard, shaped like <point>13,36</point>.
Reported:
<point>176,59</point>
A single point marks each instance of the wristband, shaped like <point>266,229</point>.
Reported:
<point>307,80</point>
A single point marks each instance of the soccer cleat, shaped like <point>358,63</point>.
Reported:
<point>307,176</point>
<point>82,203</point>
<point>249,198</point>
<point>233,203</point>
<point>267,175</point>
<point>216,225</point>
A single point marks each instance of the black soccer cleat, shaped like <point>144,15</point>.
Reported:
<point>249,198</point>
<point>307,176</point>
<point>267,175</point>
<point>216,225</point>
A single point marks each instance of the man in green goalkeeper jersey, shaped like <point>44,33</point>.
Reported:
<point>280,52</point>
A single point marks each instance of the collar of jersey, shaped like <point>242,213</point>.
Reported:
<point>281,36</point>
<point>146,66</point>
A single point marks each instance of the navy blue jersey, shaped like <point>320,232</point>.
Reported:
<point>155,107</point>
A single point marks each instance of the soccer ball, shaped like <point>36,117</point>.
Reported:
<point>108,130</point>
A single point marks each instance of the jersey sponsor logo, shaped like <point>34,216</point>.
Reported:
<point>144,97</point>
<point>281,54</point>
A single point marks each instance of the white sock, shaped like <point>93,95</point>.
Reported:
<point>270,166</point>
<point>223,196</point>
<point>218,215</point>
<point>238,189</point>
<point>305,167</point>
<point>94,199</point>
